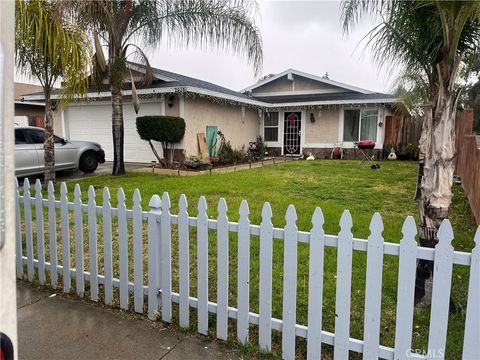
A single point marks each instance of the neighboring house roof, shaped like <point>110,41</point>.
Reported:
<point>291,72</point>
<point>20,89</point>
<point>170,82</point>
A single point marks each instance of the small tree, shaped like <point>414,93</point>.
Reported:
<point>50,48</point>
<point>167,130</point>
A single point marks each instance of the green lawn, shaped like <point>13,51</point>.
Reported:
<point>333,186</point>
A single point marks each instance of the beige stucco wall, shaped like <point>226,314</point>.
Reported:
<point>238,129</point>
<point>298,83</point>
<point>324,129</point>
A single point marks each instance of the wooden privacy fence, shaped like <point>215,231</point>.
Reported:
<point>467,163</point>
<point>402,130</point>
<point>158,287</point>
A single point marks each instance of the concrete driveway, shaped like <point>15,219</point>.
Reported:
<point>105,168</point>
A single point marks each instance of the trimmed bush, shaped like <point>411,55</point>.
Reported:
<point>167,130</point>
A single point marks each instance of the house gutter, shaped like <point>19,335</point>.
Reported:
<point>31,103</point>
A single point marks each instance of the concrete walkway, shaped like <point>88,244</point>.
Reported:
<point>53,326</point>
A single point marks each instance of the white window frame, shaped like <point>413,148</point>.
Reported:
<point>279,141</point>
<point>349,144</point>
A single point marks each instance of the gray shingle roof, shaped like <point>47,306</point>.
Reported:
<point>183,80</point>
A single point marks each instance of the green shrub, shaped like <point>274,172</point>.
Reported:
<point>167,130</point>
<point>406,152</point>
<point>409,152</point>
<point>256,150</point>
<point>170,129</point>
<point>229,155</point>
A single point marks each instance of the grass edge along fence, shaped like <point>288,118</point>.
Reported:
<point>160,296</point>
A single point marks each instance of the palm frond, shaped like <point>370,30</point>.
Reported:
<point>221,24</point>
<point>49,47</point>
<point>352,11</point>
<point>140,57</point>
<point>413,35</point>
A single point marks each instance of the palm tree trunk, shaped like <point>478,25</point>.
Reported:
<point>48,143</point>
<point>117,131</point>
<point>438,144</point>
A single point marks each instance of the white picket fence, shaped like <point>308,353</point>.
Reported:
<point>159,286</point>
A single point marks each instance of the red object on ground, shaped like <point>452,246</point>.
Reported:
<point>365,144</point>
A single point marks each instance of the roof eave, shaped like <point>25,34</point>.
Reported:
<point>165,90</point>
<point>334,102</point>
<point>252,102</point>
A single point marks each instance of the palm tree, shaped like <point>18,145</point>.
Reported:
<point>127,27</point>
<point>429,39</point>
<point>50,48</point>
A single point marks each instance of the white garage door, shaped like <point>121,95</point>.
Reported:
<point>93,122</point>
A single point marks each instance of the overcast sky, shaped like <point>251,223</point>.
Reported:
<point>303,35</point>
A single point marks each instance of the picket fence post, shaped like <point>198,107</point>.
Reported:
<point>122,247</point>
<point>65,237</point>
<point>243,276</point>
<point>92,243</point>
<point>373,289</point>
<point>107,246</point>
<point>78,213</point>
<point>442,282</point>
<point>407,267</point>
<point>52,232</point>
<point>18,233</point>
<point>315,286</point>
<point>265,290</point>
<point>166,258</point>
<point>27,208</point>
<point>289,283</point>
<point>471,349</point>
<point>184,262</point>
<point>343,287</point>
<point>153,233</point>
<point>202,266</point>
<point>222,270</point>
<point>138,252</point>
<point>40,232</point>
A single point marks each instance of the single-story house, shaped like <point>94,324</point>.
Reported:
<point>294,112</point>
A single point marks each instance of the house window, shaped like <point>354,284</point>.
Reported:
<point>270,126</point>
<point>360,124</point>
